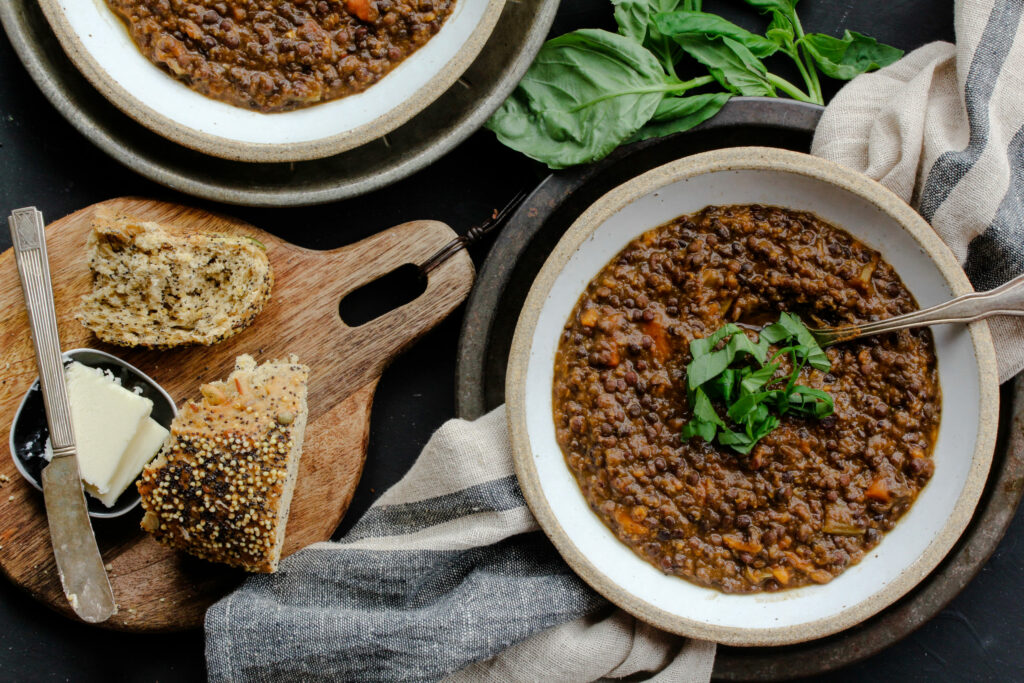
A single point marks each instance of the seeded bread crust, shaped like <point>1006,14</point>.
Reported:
<point>160,288</point>
<point>222,486</point>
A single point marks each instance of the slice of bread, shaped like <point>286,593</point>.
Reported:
<point>160,288</point>
<point>221,487</point>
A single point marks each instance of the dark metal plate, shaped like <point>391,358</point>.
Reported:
<point>436,130</point>
<point>518,254</point>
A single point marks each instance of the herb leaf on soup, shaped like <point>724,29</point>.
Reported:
<point>754,394</point>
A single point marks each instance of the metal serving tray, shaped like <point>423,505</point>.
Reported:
<point>460,111</point>
<point>519,252</point>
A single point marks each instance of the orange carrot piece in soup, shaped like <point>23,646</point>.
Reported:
<point>662,349</point>
<point>879,490</point>
<point>362,9</point>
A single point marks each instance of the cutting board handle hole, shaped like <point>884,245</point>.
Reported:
<point>386,293</point>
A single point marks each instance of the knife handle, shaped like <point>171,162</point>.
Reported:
<point>28,235</point>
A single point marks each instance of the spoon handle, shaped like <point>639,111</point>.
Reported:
<point>1007,299</point>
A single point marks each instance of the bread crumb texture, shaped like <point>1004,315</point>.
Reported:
<point>162,288</point>
<point>221,487</point>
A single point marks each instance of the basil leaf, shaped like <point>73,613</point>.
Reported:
<point>849,56</point>
<point>699,347</point>
<point>811,402</point>
<point>816,358</point>
<point>738,441</point>
<point>635,20</point>
<point>780,31</point>
<point>707,364</point>
<point>743,406</point>
<point>739,389</point>
<point>781,26</point>
<point>586,92</point>
<point>632,18</point>
<point>775,333</point>
<point>703,410</point>
<point>731,64</point>
<point>756,417</point>
<point>758,378</point>
<point>787,7</point>
<point>705,420</point>
<point>765,427</point>
<point>705,367</point>
<point>705,430</point>
<point>711,25</point>
<point>810,351</point>
<point>740,343</point>
<point>721,388</point>
<point>677,114</point>
<point>790,327</point>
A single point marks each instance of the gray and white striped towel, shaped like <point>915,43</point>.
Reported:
<point>447,575</point>
<point>944,129</point>
<point>447,570</point>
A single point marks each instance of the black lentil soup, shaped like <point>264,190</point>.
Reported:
<point>276,55</point>
<point>813,496</point>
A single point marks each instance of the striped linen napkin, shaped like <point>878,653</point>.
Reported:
<point>446,570</point>
<point>448,577</point>
<point>944,129</point>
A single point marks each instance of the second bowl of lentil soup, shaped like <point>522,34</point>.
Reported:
<point>272,82</point>
<point>822,520</point>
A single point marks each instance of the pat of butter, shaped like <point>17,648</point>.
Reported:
<point>147,442</point>
<point>105,417</point>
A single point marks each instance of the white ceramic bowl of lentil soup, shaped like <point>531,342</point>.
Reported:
<point>272,82</point>
<point>826,520</point>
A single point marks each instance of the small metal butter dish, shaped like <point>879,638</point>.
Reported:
<point>29,431</point>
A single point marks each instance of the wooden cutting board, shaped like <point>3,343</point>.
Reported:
<point>158,589</point>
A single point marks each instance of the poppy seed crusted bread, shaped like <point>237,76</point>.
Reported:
<point>221,487</point>
<point>160,288</point>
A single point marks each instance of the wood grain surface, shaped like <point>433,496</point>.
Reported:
<point>158,589</point>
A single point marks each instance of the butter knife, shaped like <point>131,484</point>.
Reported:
<point>79,564</point>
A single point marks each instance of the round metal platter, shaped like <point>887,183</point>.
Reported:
<point>519,252</point>
<point>455,115</point>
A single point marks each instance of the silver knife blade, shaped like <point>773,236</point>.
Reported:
<point>79,563</point>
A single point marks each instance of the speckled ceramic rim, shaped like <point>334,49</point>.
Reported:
<point>757,159</point>
<point>268,153</point>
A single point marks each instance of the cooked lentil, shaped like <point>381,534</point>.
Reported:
<point>276,55</point>
<point>814,496</point>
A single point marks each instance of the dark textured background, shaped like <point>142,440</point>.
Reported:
<point>45,162</point>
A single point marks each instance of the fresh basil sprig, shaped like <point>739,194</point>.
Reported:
<point>590,90</point>
<point>754,397</point>
<point>846,57</point>
<point>586,92</point>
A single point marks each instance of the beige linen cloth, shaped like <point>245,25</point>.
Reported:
<point>448,577</point>
<point>944,129</point>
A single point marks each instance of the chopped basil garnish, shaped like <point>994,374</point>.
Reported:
<point>753,396</point>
